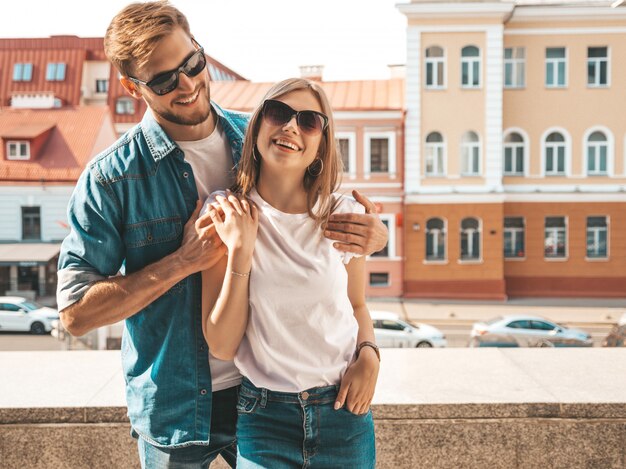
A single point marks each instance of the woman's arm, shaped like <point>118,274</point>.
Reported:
<point>225,286</point>
<point>359,382</point>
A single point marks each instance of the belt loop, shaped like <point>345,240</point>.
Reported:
<point>263,397</point>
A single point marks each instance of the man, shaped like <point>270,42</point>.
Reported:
<point>135,211</point>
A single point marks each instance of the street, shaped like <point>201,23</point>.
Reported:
<point>457,333</point>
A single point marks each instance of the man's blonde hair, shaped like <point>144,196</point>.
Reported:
<point>136,30</point>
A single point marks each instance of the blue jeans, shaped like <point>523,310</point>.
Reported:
<point>222,440</point>
<point>280,430</point>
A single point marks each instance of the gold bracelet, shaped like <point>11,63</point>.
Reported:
<point>239,274</point>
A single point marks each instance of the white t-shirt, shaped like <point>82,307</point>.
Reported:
<point>213,168</point>
<point>301,331</point>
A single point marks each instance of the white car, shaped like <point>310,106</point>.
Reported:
<point>391,331</point>
<point>526,331</point>
<point>20,315</point>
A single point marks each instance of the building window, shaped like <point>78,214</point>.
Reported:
<point>379,279</point>
<point>470,67</point>
<point>346,146</point>
<point>514,154</point>
<point>514,238</point>
<point>102,86</point>
<point>597,66</point>
<point>125,106</point>
<point>555,240</point>
<point>556,67</point>
<point>514,67</point>
<point>380,153</point>
<point>31,223</point>
<point>17,150</point>
<point>435,240</point>
<point>597,238</point>
<point>22,72</point>
<point>555,149</point>
<point>470,239</point>
<point>435,67</point>
<point>597,152</point>
<point>435,154</point>
<point>470,154</point>
<point>55,71</point>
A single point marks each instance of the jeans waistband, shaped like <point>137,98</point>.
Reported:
<point>319,395</point>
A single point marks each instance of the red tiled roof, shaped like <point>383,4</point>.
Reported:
<point>357,95</point>
<point>78,135</point>
<point>26,131</point>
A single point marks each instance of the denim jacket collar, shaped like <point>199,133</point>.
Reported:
<point>161,144</point>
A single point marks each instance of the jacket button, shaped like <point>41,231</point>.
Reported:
<point>185,174</point>
<point>203,391</point>
<point>305,395</point>
<point>149,237</point>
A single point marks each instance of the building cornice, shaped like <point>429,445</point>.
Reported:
<point>456,10</point>
<point>565,13</point>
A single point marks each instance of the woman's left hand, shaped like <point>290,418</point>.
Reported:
<point>359,382</point>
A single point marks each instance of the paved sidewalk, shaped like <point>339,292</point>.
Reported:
<point>586,311</point>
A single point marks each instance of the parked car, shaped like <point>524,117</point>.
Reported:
<point>391,331</point>
<point>526,331</point>
<point>19,314</point>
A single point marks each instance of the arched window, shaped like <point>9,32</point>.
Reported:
<point>435,154</point>
<point>435,67</point>
<point>597,150</point>
<point>435,240</point>
<point>470,67</point>
<point>470,239</point>
<point>514,154</point>
<point>555,150</point>
<point>470,154</point>
<point>125,106</point>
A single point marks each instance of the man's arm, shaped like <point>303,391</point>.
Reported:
<point>360,233</point>
<point>116,298</point>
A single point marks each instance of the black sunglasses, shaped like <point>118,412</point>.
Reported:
<point>309,122</point>
<point>167,82</point>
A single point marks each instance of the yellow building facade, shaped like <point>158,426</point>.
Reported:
<point>515,150</point>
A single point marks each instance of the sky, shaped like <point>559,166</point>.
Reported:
<point>263,40</point>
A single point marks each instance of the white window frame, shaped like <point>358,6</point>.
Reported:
<point>22,66</point>
<point>568,152</point>
<point>555,230</point>
<point>18,144</point>
<point>444,260</point>
<point>431,148</point>
<point>555,63</point>
<point>104,80</point>
<point>516,232</point>
<point>54,67</point>
<point>608,238</point>
<point>466,149</point>
<point>610,151</point>
<point>351,138</point>
<point>515,63</point>
<point>367,163</point>
<point>525,144</point>
<point>472,232</point>
<point>597,60</point>
<point>390,218</point>
<point>434,61</point>
<point>125,99</point>
<point>470,62</point>
<point>381,285</point>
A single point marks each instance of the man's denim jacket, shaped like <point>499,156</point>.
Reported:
<point>128,210</point>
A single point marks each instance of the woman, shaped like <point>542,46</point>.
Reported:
<point>282,305</point>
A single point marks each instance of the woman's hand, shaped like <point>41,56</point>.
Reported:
<point>359,382</point>
<point>236,221</point>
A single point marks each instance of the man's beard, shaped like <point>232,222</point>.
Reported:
<point>193,119</point>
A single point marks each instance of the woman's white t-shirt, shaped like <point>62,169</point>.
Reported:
<point>301,331</point>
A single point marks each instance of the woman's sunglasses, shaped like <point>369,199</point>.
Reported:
<point>309,122</point>
<point>167,82</point>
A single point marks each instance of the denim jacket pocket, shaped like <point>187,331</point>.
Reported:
<point>150,232</point>
<point>247,404</point>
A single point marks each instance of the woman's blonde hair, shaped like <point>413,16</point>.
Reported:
<point>134,33</point>
<point>319,185</point>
